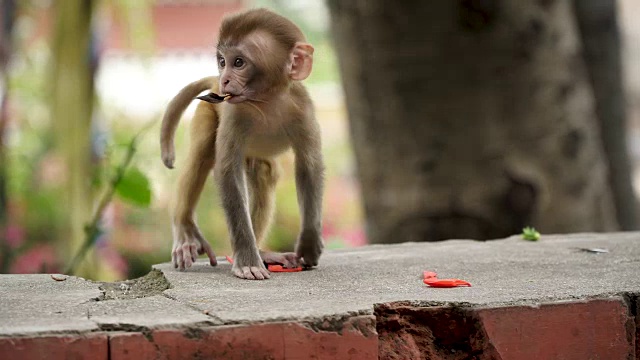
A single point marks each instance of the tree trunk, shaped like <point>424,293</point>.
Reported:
<point>471,118</point>
<point>598,24</point>
<point>72,104</point>
<point>7,21</point>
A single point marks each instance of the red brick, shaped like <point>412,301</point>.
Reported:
<point>131,346</point>
<point>358,340</point>
<point>596,329</point>
<point>355,339</point>
<point>93,346</point>
<point>232,342</point>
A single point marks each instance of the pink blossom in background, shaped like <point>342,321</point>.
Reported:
<point>114,260</point>
<point>355,237</point>
<point>39,258</point>
<point>328,230</point>
<point>14,235</point>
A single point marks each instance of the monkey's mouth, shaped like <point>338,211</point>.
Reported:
<point>234,99</point>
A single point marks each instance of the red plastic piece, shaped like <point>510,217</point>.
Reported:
<point>279,268</point>
<point>429,275</point>
<point>431,279</point>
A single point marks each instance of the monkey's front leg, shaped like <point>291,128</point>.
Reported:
<point>262,177</point>
<point>231,179</point>
<point>188,242</point>
<point>310,187</point>
<point>309,183</point>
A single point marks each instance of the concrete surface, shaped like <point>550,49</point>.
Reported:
<point>502,272</point>
<point>347,282</point>
<point>39,304</point>
<point>550,297</point>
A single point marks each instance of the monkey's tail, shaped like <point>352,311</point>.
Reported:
<point>174,112</point>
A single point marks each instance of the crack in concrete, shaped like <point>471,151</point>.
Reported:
<point>632,301</point>
<point>129,328</point>
<point>215,319</point>
<point>194,333</point>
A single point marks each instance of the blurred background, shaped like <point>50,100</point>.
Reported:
<point>473,122</point>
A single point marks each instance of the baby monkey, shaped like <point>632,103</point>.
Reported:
<point>262,110</point>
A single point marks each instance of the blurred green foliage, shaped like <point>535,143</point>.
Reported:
<point>136,229</point>
<point>135,188</point>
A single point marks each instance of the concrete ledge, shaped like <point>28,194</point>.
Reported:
<point>529,300</point>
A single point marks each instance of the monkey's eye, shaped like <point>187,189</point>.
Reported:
<point>238,62</point>
<point>221,62</point>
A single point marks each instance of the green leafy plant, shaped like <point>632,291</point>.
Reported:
<point>529,233</point>
<point>134,188</point>
<point>129,184</point>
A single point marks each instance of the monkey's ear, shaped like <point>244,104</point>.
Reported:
<point>301,61</point>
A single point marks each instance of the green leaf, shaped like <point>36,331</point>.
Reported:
<point>530,233</point>
<point>135,188</point>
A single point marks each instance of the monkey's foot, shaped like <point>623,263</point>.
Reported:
<point>309,247</point>
<point>288,260</point>
<point>249,267</point>
<point>188,243</point>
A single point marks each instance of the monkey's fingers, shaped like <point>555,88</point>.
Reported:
<point>309,248</point>
<point>308,261</point>
<point>288,260</point>
<point>189,254</point>
<point>179,260</point>
<point>251,273</point>
<point>293,260</point>
<point>206,249</point>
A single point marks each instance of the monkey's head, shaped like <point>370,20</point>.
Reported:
<point>259,54</point>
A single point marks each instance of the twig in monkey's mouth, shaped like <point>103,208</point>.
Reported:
<point>214,98</point>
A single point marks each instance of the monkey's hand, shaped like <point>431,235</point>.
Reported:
<point>288,260</point>
<point>247,264</point>
<point>309,247</point>
<point>188,243</point>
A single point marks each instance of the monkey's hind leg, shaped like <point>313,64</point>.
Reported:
<point>262,178</point>
<point>188,241</point>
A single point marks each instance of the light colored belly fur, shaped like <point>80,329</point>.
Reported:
<point>261,145</point>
